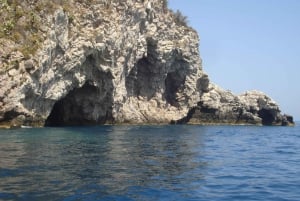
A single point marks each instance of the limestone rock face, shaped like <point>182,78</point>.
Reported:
<point>218,106</point>
<point>113,62</point>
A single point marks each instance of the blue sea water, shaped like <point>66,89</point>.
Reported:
<point>126,163</point>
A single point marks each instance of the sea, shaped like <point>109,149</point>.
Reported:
<point>145,163</point>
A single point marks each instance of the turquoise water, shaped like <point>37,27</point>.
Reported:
<point>151,163</point>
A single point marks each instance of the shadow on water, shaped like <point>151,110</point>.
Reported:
<point>96,163</point>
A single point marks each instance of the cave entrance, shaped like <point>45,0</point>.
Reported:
<point>144,78</point>
<point>140,80</point>
<point>173,83</point>
<point>267,117</point>
<point>88,105</point>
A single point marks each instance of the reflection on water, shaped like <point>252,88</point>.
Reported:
<point>100,162</point>
<point>150,163</point>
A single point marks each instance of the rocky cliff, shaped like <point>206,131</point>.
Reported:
<point>112,62</point>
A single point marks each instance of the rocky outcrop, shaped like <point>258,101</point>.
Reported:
<point>218,106</point>
<point>116,62</point>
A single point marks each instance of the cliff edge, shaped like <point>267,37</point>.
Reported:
<point>67,63</point>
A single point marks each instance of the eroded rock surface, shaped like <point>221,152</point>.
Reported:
<point>118,62</point>
<point>218,106</point>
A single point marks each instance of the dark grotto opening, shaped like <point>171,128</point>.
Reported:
<point>140,80</point>
<point>88,105</point>
<point>56,116</point>
<point>143,78</point>
<point>173,83</point>
<point>267,117</point>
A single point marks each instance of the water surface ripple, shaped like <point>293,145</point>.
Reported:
<point>151,163</point>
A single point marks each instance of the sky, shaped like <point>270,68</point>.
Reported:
<point>250,44</point>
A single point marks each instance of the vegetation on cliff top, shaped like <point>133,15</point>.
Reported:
<point>24,21</point>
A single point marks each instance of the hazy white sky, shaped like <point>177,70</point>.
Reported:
<point>250,44</point>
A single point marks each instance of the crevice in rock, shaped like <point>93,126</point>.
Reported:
<point>88,105</point>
